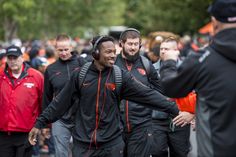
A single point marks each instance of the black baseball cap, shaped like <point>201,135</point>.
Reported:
<point>223,10</point>
<point>13,51</point>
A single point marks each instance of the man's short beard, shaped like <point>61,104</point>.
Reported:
<point>131,58</point>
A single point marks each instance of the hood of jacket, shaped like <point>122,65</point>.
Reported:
<point>224,43</point>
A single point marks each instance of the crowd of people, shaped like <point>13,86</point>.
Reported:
<point>139,101</point>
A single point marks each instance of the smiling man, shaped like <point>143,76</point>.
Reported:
<point>97,129</point>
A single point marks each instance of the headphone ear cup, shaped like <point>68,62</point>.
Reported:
<point>95,54</point>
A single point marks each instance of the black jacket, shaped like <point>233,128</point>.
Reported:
<point>159,117</point>
<point>97,116</point>
<point>55,78</point>
<point>212,74</point>
<point>135,114</point>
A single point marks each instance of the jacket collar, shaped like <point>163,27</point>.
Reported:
<point>73,57</point>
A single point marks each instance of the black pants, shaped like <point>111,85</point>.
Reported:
<point>114,150</point>
<point>177,140</point>
<point>14,145</point>
<point>138,143</point>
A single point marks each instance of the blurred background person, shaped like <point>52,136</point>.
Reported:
<point>3,59</point>
<point>56,76</point>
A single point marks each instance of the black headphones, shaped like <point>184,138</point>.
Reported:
<point>123,33</point>
<point>95,50</point>
<point>128,29</point>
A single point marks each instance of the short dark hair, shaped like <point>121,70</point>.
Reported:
<point>129,33</point>
<point>101,40</point>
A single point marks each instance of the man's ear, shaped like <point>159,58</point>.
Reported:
<point>215,24</point>
<point>120,43</point>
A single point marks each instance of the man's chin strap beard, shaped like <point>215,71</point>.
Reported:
<point>131,58</point>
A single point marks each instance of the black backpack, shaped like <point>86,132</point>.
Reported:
<point>146,65</point>
<point>117,73</point>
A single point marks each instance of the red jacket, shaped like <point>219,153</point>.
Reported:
<point>20,100</point>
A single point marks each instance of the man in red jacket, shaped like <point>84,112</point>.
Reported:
<point>21,89</point>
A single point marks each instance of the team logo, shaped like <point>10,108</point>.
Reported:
<point>141,71</point>
<point>29,85</point>
<point>86,84</point>
<point>111,86</point>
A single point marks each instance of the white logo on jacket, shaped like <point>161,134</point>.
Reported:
<point>29,85</point>
<point>204,56</point>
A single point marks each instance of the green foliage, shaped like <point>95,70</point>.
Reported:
<point>30,19</point>
<point>179,16</point>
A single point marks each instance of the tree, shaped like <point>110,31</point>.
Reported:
<point>176,16</point>
<point>29,19</point>
<point>13,13</point>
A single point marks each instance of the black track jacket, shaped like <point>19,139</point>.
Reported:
<point>134,114</point>
<point>97,119</point>
<point>212,74</point>
<point>55,78</point>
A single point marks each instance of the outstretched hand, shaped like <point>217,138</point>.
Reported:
<point>183,118</point>
<point>33,136</point>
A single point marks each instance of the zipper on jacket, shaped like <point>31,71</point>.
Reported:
<point>127,115</point>
<point>97,107</point>
<point>129,68</point>
<point>68,70</point>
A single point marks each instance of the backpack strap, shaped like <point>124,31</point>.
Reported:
<point>117,72</point>
<point>146,64</point>
<point>83,73</point>
<point>118,78</point>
